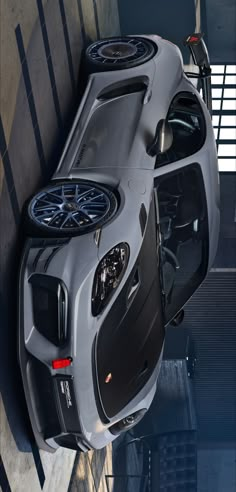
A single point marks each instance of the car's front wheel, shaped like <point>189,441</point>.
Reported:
<point>118,53</point>
<point>69,209</point>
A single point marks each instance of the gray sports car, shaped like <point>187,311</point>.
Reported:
<point>119,240</point>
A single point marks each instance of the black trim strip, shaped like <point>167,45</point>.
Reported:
<point>96,19</point>
<point>9,175</point>
<point>38,464</point>
<point>82,27</point>
<point>123,88</point>
<point>38,255</point>
<point>3,478</point>
<point>99,405</point>
<point>50,257</point>
<point>49,62</point>
<point>30,97</point>
<point>142,218</point>
<point>67,43</point>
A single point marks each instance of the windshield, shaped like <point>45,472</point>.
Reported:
<point>184,236</point>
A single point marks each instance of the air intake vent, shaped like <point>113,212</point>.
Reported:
<point>123,89</point>
<point>50,307</point>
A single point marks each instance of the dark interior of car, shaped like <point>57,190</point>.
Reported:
<point>183,220</point>
<point>188,126</point>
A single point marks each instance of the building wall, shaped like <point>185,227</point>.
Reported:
<point>226,254</point>
<point>170,19</point>
<point>176,19</point>
<point>218,22</point>
<point>211,318</point>
<point>172,409</point>
<point>216,470</point>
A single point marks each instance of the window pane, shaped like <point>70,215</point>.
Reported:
<point>228,134</point>
<point>215,119</point>
<point>217,79</point>
<point>186,246</point>
<point>227,150</point>
<point>227,164</point>
<point>231,69</point>
<point>187,123</point>
<point>229,104</point>
<point>227,120</point>
<point>230,93</point>
<point>217,68</point>
<point>216,92</point>
<point>216,104</point>
<point>230,79</point>
<point>216,132</point>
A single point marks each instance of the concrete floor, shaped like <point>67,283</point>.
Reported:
<point>41,43</point>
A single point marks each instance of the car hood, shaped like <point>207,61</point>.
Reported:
<point>130,340</point>
<point>128,353</point>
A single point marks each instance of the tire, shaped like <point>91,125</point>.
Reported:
<point>68,208</point>
<point>118,53</point>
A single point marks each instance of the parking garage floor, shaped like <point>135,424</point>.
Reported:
<point>41,44</point>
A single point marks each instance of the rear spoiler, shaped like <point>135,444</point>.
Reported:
<point>200,57</point>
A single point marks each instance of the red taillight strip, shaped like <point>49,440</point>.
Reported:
<point>61,363</point>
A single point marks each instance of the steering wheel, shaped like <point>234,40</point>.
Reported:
<point>170,266</point>
<point>172,258</point>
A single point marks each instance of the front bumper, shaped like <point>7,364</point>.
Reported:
<point>48,391</point>
<point>50,397</point>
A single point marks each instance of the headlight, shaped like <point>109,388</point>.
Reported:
<point>108,276</point>
<point>128,422</point>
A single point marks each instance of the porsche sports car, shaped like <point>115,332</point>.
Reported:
<point>118,241</point>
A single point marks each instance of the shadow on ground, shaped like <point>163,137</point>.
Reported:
<point>128,460</point>
<point>27,176</point>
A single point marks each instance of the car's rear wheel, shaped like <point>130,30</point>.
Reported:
<point>69,209</point>
<point>118,53</point>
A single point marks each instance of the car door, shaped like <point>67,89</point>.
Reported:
<point>184,234</point>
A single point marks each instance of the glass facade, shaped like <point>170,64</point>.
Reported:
<point>224,114</point>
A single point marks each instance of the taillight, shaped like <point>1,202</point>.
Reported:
<point>61,363</point>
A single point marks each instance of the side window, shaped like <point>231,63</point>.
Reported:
<point>183,226</point>
<point>188,125</point>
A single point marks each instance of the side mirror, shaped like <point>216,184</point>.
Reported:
<point>163,139</point>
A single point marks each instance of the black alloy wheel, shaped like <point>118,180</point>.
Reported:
<point>69,209</point>
<point>118,53</point>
